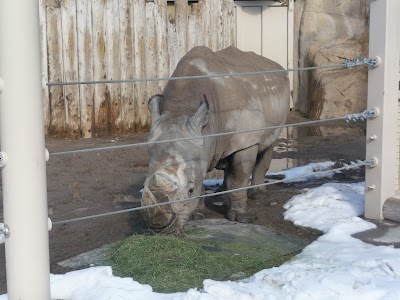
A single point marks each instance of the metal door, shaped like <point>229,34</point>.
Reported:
<point>262,27</point>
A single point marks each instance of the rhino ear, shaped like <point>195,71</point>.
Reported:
<point>200,118</point>
<point>154,107</point>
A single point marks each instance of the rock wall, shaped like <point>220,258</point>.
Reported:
<point>329,32</point>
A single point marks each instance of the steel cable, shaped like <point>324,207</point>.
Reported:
<point>343,65</point>
<point>353,165</point>
<point>349,118</point>
<point>193,137</point>
<point>346,64</point>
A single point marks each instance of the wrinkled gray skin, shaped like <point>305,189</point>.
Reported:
<point>203,106</point>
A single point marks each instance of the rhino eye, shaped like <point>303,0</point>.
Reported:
<point>191,190</point>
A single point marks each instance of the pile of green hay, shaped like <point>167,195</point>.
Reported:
<point>171,264</point>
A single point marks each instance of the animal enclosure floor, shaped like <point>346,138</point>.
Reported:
<point>95,182</point>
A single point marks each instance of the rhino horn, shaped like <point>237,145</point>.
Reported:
<point>200,118</point>
<point>163,181</point>
<point>154,107</point>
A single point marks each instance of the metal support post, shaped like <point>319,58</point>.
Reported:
<point>384,42</point>
<point>22,143</point>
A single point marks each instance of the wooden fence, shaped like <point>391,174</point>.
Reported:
<point>86,40</point>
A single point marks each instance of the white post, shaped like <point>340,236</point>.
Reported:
<point>22,142</point>
<point>383,83</point>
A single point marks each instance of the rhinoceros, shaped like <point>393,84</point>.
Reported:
<point>197,107</point>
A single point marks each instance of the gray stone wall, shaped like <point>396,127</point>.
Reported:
<point>328,32</point>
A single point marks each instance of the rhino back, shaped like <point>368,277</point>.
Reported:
<point>236,103</point>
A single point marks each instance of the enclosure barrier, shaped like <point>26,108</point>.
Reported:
<point>348,63</point>
<point>367,114</point>
<point>27,230</point>
<point>352,165</point>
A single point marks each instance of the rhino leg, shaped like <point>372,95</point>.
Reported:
<point>199,212</point>
<point>262,165</point>
<point>237,175</point>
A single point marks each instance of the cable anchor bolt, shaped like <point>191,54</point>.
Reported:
<point>372,62</point>
<point>371,113</point>
<point>4,231</point>
<point>372,162</point>
<point>3,159</point>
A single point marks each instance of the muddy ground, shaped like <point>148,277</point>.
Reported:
<point>102,181</point>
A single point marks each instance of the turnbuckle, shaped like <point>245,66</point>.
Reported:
<point>362,61</point>
<point>365,115</point>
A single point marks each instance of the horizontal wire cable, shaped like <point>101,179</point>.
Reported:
<point>345,167</point>
<point>343,65</point>
<point>307,123</point>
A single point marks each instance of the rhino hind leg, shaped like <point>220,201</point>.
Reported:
<point>258,177</point>
<point>237,175</point>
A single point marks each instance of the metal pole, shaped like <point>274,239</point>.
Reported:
<point>383,83</point>
<point>23,146</point>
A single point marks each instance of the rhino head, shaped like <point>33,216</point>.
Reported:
<point>176,169</point>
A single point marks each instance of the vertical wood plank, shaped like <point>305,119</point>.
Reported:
<point>45,77</point>
<point>199,12</point>
<point>207,15</point>
<point>113,65</point>
<point>70,54</point>
<point>228,23</point>
<point>195,33</point>
<point>127,66</point>
<point>172,47</point>
<point>219,25</point>
<point>56,67</point>
<point>151,46</point>
<point>213,25</point>
<point>101,106</point>
<point>142,117</point>
<point>161,16</point>
<point>181,26</point>
<point>192,32</point>
<point>85,63</point>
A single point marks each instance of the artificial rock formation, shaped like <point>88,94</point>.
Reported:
<point>331,31</point>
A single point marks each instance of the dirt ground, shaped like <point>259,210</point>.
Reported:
<point>102,181</point>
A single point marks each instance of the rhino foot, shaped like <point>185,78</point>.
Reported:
<point>246,217</point>
<point>198,215</point>
<point>148,231</point>
<point>175,231</point>
<point>256,194</point>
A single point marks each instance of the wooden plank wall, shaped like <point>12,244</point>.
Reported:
<point>86,40</point>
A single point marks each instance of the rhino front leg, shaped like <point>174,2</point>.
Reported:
<point>199,212</point>
<point>237,175</point>
<point>262,165</point>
